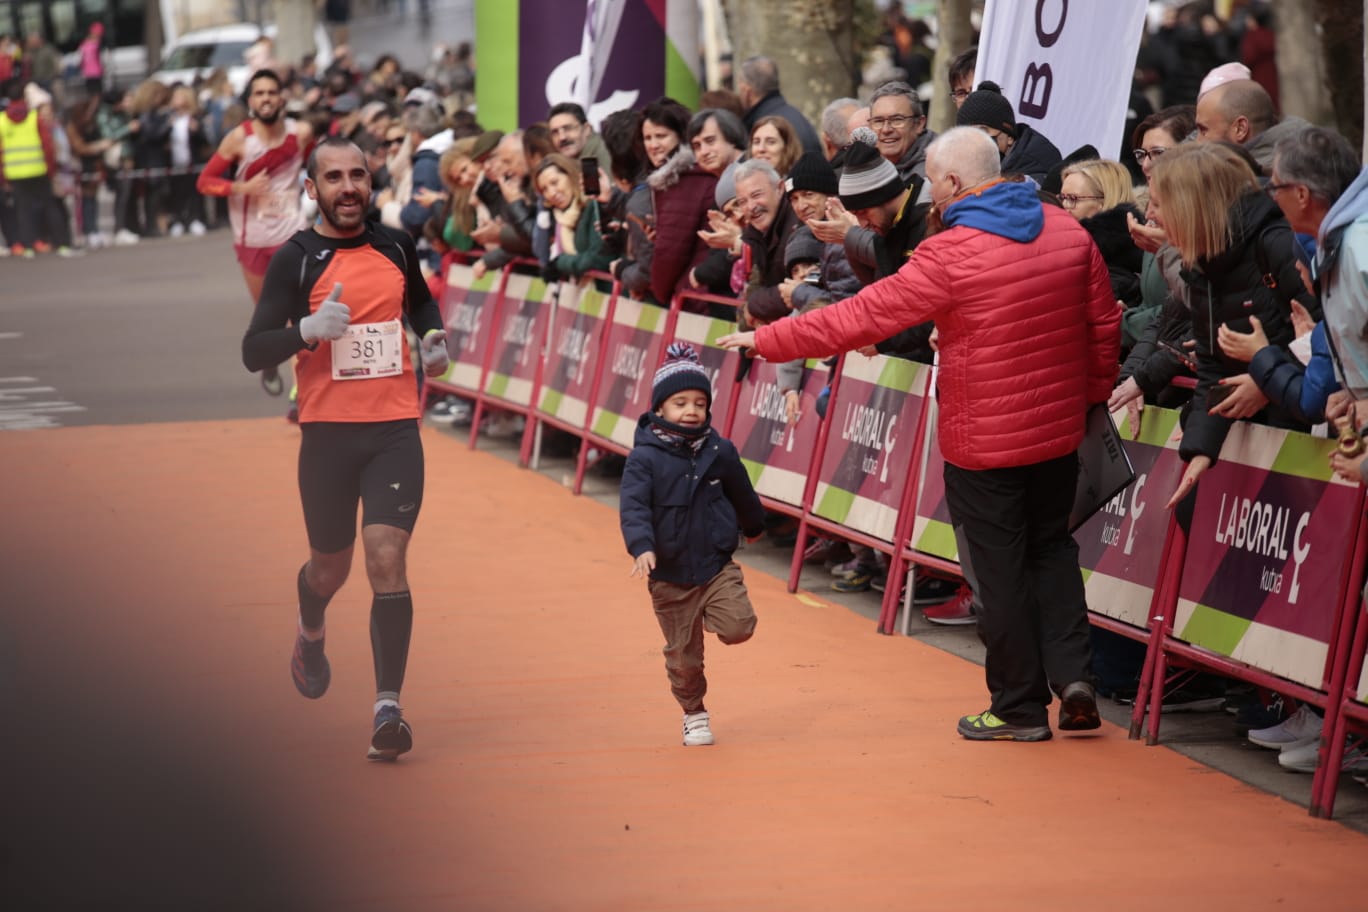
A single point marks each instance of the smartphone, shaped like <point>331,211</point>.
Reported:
<point>1184,355</point>
<point>1218,394</point>
<point>589,168</point>
<point>489,193</point>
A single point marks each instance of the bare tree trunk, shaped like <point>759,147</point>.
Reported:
<point>956,33</point>
<point>1301,69</point>
<point>811,41</point>
<point>1341,33</point>
<point>295,20</point>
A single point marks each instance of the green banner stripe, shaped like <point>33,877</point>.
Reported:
<point>680,82</point>
<point>938,540</point>
<point>835,504</point>
<point>1214,630</point>
<point>648,318</point>
<point>496,91</point>
<point>497,385</point>
<point>1156,426</point>
<point>716,330</point>
<point>551,401</point>
<point>605,424</point>
<point>1305,456</point>
<point>753,469</point>
<point>899,374</point>
<point>593,303</point>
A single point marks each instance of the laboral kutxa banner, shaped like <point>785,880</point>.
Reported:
<point>576,332</point>
<point>468,306</point>
<point>635,345</point>
<point>1120,548</point>
<point>527,304</point>
<point>778,455</point>
<point>1270,534</point>
<point>869,448</point>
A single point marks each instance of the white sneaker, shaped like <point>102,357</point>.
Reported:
<point>696,730</point>
<point>1298,727</point>
<point>125,238</point>
<point>1304,758</point>
<point>94,241</point>
<point>177,230</point>
<point>197,228</point>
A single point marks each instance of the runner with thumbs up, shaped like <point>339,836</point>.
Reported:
<point>358,416</point>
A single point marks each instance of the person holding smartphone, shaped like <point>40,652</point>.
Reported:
<point>566,238</point>
<point>1239,262</point>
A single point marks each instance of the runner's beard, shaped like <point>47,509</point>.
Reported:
<point>343,223</point>
<point>268,119</point>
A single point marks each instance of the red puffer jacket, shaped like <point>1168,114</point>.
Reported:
<point>1029,331</point>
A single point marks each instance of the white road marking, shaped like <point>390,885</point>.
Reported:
<point>27,405</point>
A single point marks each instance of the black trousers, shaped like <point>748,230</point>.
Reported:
<point>1034,618</point>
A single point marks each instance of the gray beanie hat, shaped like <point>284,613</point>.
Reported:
<point>726,186</point>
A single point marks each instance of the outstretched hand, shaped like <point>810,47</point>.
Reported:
<point>738,340</point>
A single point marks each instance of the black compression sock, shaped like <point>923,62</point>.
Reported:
<point>311,604</point>
<point>391,623</point>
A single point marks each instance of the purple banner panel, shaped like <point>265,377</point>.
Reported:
<point>468,307</point>
<point>778,455</point>
<point>1268,547</point>
<point>868,452</point>
<point>615,60</point>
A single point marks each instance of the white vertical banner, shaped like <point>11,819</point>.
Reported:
<point>1065,65</point>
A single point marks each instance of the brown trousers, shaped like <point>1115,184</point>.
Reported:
<point>719,606</point>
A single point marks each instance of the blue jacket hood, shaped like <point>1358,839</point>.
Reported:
<point>1009,209</point>
<point>1351,204</point>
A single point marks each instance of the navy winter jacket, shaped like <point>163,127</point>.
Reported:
<point>684,507</point>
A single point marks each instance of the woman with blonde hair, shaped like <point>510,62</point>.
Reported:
<point>1090,187</point>
<point>460,173</point>
<point>1098,193</point>
<point>566,239</point>
<point>774,140</point>
<point>1240,266</point>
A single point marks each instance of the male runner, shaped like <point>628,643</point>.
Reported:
<point>358,414</point>
<point>268,151</point>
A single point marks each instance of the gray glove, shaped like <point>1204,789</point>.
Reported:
<point>329,321</point>
<point>434,351</point>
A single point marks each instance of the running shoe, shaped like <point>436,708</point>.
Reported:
<point>1297,729</point>
<point>985,726</point>
<point>271,382</point>
<point>1078,708</point>
<point>697,732</point>
<point>392,735</point>
<point>309,668</point>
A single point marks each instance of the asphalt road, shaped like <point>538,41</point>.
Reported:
<point>125,336</point>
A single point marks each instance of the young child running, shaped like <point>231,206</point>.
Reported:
<point>683,490</point>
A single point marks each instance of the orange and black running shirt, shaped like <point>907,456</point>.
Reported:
<point>380,281</point>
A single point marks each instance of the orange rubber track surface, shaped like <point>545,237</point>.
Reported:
<point>160,750</point>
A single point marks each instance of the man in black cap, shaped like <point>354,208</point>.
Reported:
<point>1023,150</point>
<point>811,182</point>
<point>883,212</point>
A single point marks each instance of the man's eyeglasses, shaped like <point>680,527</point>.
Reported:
<point>1142,154</point>
<point>1070,200</point>
<point>1272,189</point>
<point>959,94</point>
<point>391,143</point>
<point>897,121</point>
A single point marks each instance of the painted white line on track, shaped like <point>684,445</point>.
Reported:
<point>11,335</point>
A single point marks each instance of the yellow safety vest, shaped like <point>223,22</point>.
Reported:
<point>22,147</point>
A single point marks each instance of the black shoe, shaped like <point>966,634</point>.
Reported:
<point>1078,708</point>
<point>932,590</point>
